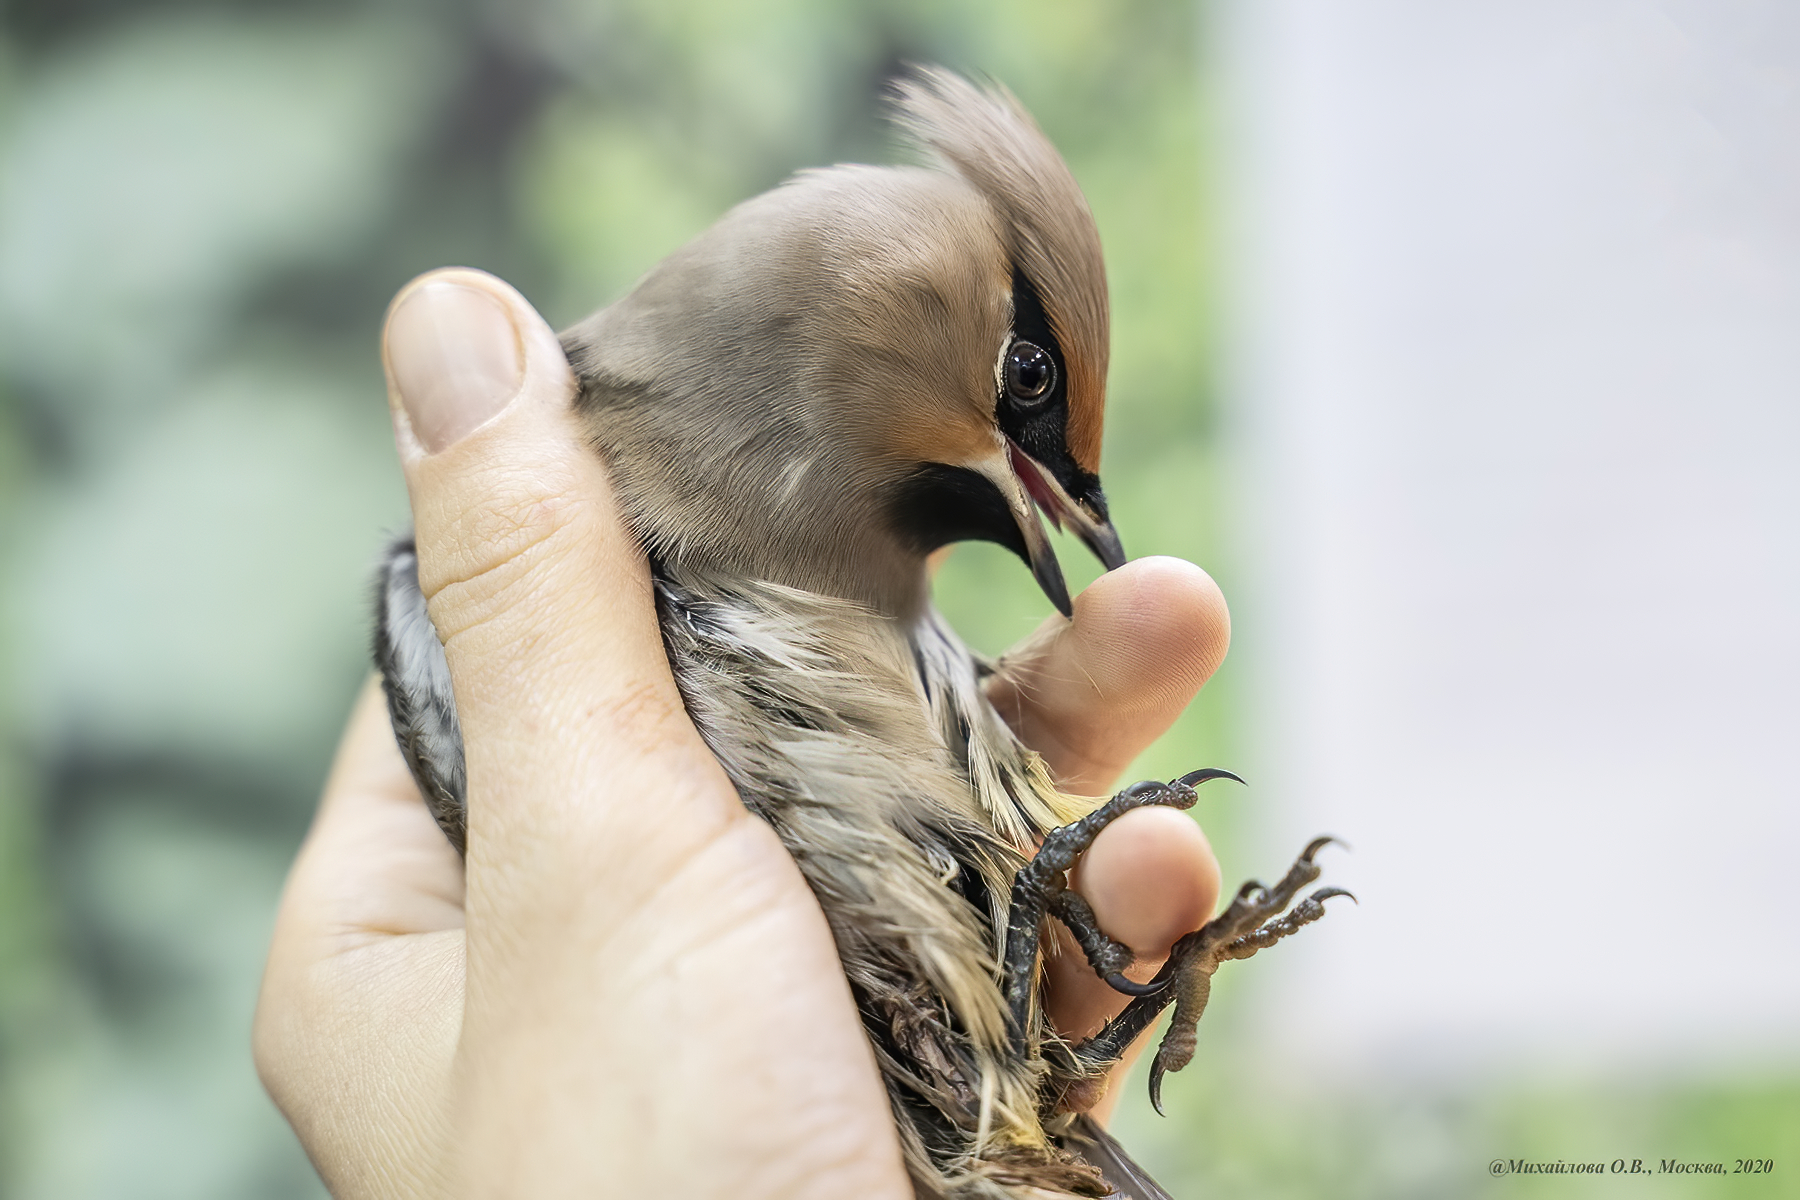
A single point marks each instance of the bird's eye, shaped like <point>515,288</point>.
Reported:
<point>1030,373</point>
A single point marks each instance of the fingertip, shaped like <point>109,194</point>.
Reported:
<point>536,338</point>
<point>1151,877</point>
<point>460,347</point>
<point>1091,694</point>
<point>1152,631</point>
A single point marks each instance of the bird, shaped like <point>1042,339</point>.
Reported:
<point>797,409</point>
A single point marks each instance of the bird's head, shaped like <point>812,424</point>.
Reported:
<point>869,363</point>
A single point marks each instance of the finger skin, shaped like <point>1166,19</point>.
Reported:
<point>1090,695</point>
<point>361,1002</point>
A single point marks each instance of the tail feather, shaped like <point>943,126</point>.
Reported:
<point>1128,1180</point>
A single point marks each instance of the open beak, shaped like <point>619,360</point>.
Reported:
<point>1032,493</point>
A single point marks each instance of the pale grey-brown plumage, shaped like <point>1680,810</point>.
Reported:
<point>839,377</point>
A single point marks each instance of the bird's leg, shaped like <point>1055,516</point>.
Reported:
<point>1042,886</point>
<point>1253,921</point>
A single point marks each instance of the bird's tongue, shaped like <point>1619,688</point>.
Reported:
<point>1036,486</point>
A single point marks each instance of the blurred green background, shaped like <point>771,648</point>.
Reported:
<point>204,208</point>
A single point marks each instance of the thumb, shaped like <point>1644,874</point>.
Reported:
<point>616,887</point>
<point>543,603</point>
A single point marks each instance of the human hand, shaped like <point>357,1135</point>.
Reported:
<point>628,987</point>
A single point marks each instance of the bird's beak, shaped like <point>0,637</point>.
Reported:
<point>1031,490</point>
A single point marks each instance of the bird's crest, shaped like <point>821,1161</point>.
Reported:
<point>985,136</point>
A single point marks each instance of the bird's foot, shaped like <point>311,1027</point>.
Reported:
<point>1257,918</point>
<point>1042,887</point>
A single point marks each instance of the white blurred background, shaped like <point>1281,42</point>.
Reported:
<point>1514,381</point>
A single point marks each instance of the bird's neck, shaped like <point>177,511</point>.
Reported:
<point>832,538</point>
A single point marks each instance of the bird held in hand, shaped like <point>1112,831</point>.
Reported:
<point>837,379</point>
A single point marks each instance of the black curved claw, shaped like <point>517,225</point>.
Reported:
<point>1195,778</point>
<point>1119,983</point>
<point>1156,1078</point>
<point>1318,844</point>
<point>1326,893</point>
